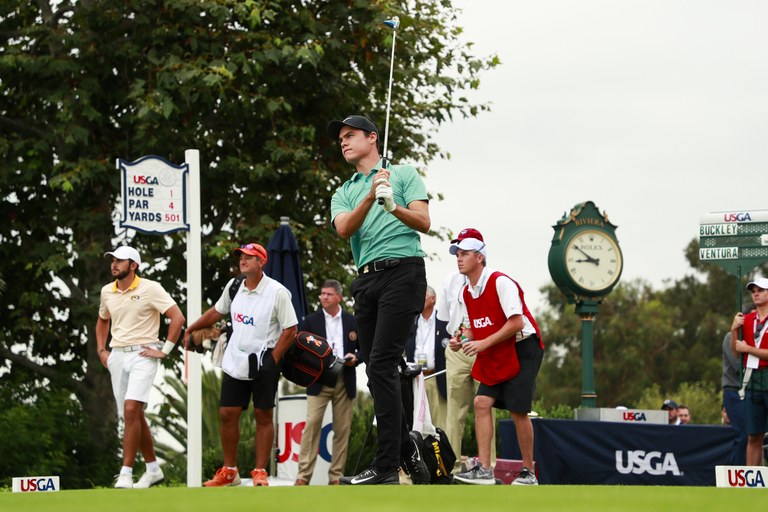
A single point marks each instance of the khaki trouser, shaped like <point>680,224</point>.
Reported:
<point>461,393</point>
<point>341,406</point>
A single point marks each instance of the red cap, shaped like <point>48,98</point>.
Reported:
<point>468,233</point>
<point>253,250</point>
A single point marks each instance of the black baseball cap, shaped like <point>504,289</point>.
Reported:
<point>669,404</point>
<point>359,122</point>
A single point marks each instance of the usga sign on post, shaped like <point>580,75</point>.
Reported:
<point>153,195</point>
<point>735,241</point>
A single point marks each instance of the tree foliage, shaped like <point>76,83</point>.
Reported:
<point>251,84</point>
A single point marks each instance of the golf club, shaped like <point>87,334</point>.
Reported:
<point>392,23</point>
<point>433,375</point>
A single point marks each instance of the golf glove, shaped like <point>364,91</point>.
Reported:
<point>384,191</point>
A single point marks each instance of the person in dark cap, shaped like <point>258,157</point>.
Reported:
<point>389,290</point>
<point>263,328</point>
<point>671,407</point>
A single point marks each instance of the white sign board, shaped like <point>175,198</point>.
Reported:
<point>632,416</point>
<point>291,418</point>
<point>741,477</point>
<point>733,217</point>
<point>35,484</point>
<point>153,195</point>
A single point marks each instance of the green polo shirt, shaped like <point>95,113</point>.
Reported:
<point>382,235</point>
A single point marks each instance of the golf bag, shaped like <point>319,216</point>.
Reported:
<point>439,457</point>
<point>311,359</point>
<point>436,450</point>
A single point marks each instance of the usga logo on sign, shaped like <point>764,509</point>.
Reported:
<point>736,217</point>
<point>36,484</point>
<point>747,477</point>
<point>653,463</point>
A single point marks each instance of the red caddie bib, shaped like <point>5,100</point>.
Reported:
<point>748,331</point>
<point>498,363</point>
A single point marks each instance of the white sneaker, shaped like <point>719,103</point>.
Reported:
<point>124,481</point>
<point>149,478</point>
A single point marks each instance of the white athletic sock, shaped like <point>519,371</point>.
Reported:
<point>153,467</point>
<point>126,470</point>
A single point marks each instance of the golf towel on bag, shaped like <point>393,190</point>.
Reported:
<point>311,359</point>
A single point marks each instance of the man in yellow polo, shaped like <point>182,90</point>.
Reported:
<point>132,306</point>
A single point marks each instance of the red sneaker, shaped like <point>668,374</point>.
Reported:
<point>259,478</point>
<point>223,477</point>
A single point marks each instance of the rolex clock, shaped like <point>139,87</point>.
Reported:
<point>593,260</point>
<point>585,259</point>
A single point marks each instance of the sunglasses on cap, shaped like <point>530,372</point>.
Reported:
<point>251,249</point>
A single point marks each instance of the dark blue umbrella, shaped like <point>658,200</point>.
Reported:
<point>284,265</point>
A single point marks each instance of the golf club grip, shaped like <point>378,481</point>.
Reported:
<point>383,166</point>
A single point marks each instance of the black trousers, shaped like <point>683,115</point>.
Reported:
<point>386,304</point>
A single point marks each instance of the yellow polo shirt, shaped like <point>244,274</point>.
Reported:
<point>135,312</point>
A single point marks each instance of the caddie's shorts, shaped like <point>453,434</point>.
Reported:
<point>516,394</point>
<point>238,392</point>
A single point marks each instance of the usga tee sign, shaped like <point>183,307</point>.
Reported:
<point>36,484</point>
<point>744,477</point>
<point>153,195</point>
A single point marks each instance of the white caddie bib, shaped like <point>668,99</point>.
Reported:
<point>250,315</point>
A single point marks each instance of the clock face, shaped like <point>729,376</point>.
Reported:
<point>593,260</point>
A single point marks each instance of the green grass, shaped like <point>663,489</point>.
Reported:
<point>391,499</point>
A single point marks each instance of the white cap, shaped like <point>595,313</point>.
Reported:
<point>760,282</point>
<point>468,244</point>
<point>125,253</point>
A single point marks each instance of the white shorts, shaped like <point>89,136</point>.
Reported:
<point>132,376</point>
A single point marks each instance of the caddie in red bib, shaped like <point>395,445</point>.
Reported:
<point>753,348</point>
<point>506,341</point>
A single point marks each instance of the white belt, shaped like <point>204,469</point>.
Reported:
<point>134,348</point>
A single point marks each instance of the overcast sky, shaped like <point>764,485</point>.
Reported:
<point>655,110</point>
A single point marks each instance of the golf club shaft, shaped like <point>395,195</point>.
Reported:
<point>433,375</point>
<point>389,103</point>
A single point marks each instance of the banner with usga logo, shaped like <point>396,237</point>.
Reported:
<point>36,484</point>
<point>745,477</point>
<point>569,452</point>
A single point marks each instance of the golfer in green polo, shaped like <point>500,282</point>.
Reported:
<point>389,290</point>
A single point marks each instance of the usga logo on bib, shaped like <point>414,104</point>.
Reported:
<point>748,477</point>
<point>36,484</point>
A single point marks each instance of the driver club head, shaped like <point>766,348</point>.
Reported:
<point>392,23</point>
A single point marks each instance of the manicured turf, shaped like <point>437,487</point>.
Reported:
<point>461,498</point>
